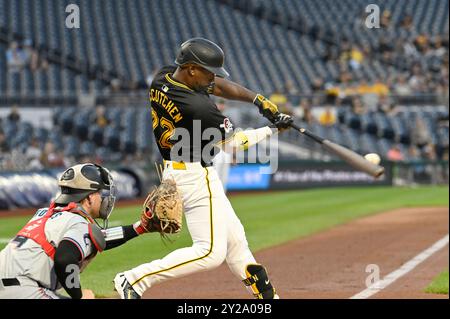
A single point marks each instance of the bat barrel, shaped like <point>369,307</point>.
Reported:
<point>352,158</point>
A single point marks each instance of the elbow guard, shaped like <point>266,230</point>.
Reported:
<point>242,140</point>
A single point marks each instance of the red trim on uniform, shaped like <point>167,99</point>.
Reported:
<point>35,230</point>
<point>91,235</point>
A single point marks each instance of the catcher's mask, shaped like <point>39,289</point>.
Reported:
<point>78,181</point>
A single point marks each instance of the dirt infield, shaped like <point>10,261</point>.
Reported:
<point>331,264</point>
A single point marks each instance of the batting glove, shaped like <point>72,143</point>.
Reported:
<point>268,109</point>
<point>282,121</point>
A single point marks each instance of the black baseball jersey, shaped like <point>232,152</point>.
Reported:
<point>186,123</point>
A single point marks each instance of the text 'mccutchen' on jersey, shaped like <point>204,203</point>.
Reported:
<point>183,118</point>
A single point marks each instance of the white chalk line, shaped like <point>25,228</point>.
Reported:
<point>403,270</point>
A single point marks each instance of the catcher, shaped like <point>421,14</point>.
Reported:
<point>58,243</point>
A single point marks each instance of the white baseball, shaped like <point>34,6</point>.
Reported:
<point>373,158</point>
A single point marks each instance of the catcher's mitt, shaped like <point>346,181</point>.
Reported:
<point>163,209</point>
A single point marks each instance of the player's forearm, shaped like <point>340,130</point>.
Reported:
<point>232,91</point>
<point>242,140</point>
<point>117,236</point>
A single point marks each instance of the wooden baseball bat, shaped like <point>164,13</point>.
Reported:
<point>355,160</point>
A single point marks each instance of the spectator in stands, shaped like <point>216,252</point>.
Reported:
<point>344,49</point>
<point>413,153</point>
<point>327,117</point>
<point>356,58</point>
<point>14,115</point>
<point>4,147</point>
<point>357,106</point>
<point>429,152</point>
<point>407,23</point>
<point>100,118</point>
<point>409,50</point>
<point>317,85</point>
<point>15,58</point>
<point>43,61</point>
<point>422,43</point>
<point>394,154</point>
<point>380,88</point>
<point>438,49</point>
<point>33,154</point>
<point>31,55</point>
<point>386,19</point>
<point>50,157</point>
<point>289,89</point>
<point>420,135</point>
<point>280,99</point>
<point>304,112</point>
<point>387,106</point>
<point>401,87</point>
<point>116,85</point>
<point>417,80</point>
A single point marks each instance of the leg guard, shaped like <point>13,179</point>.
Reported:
<point>259,282</point>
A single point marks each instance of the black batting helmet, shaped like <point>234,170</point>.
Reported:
<point>202,52</point>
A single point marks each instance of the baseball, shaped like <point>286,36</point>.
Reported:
<point>373,158</point>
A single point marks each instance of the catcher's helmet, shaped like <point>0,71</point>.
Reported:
<point>78,181</point>
<point>202,52</point>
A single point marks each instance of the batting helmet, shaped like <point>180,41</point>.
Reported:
<point>78,181</point>
<point>202,52</point>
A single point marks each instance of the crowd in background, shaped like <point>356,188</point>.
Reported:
<point>23,55</point>
<point>416,63</point>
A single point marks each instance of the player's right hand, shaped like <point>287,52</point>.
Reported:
<point>266,107</point>
<point>282,121</point>
<point>87,294</point>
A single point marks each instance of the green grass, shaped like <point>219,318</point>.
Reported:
<point>269,219</point>
<point>439,285</point>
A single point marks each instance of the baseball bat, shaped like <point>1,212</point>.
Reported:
<point>351,157</point>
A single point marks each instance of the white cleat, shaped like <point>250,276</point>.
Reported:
<point>124,288</point>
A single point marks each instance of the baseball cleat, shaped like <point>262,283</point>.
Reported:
<point>124,288</point>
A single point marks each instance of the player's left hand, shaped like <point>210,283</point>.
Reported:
<point>266,107</point>
<point>282,121</point>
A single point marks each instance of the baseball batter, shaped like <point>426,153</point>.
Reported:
<point>57,244</point>
<point>190,130</point>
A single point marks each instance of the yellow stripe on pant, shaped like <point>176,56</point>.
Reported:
<point>210,247</point>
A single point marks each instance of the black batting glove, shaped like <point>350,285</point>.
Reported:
<point>268,109</point>
<point>282,121</point>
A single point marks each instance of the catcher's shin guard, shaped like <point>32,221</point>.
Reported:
<point>259,282</point>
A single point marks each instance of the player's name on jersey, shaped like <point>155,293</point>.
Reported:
<point>159,97</point>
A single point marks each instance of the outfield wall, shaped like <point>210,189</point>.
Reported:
<point>37,188</point>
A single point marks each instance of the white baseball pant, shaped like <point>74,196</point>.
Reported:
<point>217,233</point>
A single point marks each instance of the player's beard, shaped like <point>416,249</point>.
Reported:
<point>205,89</point>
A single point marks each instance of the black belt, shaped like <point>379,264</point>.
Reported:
<point>10,282</point>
